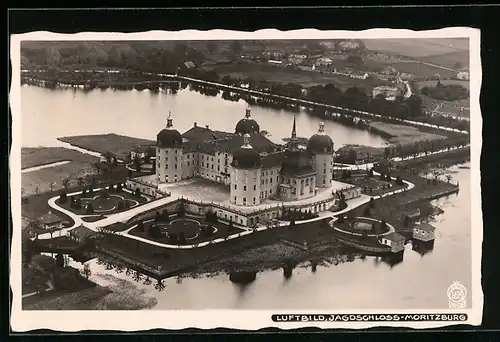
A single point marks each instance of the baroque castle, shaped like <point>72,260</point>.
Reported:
<point>251,165</point>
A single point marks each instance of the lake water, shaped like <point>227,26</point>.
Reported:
<point>49,114</point>
<point>416,283</point>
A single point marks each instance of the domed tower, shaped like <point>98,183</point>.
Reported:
<point>320,148</point>
<point>247,125</point>
<point>169,154</point>
<point>245,175</point>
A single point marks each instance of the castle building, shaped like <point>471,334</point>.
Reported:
<point>252,166</point>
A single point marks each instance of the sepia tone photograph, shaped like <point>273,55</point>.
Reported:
<point>331,174</point>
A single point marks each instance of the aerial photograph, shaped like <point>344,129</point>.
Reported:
<point>246,174</point>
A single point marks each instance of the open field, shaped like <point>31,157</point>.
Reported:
<point>401,134</point>
<point>36,156</point>
<point>40,180</point>
<point>449,59</point>
<point>119,145</point>
<point>270,73</point>
<point>417,47</point>
<point>421,70</point>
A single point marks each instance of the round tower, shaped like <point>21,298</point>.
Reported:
<point>245,175</point>
<point>247,125</point>
<point>169,154</point>
<point>320,148</point>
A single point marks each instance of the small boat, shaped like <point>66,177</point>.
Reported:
<point>464,167</point>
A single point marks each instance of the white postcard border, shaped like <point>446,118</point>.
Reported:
<point>22,321</point>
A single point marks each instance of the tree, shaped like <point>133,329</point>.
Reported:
<point>372,203</point>
<point>154,231</point>
<point>81,182</point>
<point>236,47</point>
<point>86,272</point>
<point>181,210</point>
<point>65,183</point>
<point>406,222</point>
<point>60,260</point>
<point>89,208</point>
<point>355,59</point>
<point>182,238</point>
<point>137,192</point>
<point>211,46</point>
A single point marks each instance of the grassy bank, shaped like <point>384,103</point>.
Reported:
<point>402,134</point>
<point>36,156</point>
<point>119,145</point>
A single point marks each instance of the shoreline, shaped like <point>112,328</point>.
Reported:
<point>250,93</point>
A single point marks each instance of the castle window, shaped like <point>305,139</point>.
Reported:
<point>244,200</point>
<point>235,201</point>
<point>277,178</point>
<point>166,166</point>
<point>175,166</point>
<point>324,181</point>
<point>202,164</point>
<point>255,187</point>
<point>324,171</point>
<point>270,180</point>
<point>254,200</point>
<point>270,191</point>
<point>187,163</point>
<point>244,188</point>
<point>212,166</point>
<point>235,186</point>
<point>218,168</point>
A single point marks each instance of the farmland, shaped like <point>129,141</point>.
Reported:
<point>425,46</point>
<point>449,59</point>
<point>421,70</point>
<point>278,74</point>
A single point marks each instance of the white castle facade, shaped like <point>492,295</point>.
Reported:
<point>251,165</point>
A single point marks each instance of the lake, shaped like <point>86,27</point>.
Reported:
<point>49,114</point>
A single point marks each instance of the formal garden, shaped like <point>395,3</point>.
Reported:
<point>371,184</point>
<point>180,228</point>
<point>111,199</point>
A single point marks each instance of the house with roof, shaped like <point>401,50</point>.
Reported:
<point>51,221</point>
<point>395,241</point>
<point>463,75</point>
<point>424,232</point>
<point>81,234</point>
<point>142,151</point>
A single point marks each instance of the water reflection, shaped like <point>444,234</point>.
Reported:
<point>423,248</point>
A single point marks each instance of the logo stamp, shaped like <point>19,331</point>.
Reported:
<point>457,296</point>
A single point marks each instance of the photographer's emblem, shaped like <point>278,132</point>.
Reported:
<point>457,296</point>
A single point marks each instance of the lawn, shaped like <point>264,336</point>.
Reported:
<point>119,145</point>
<point>418,47</point>
<point>36,156</point>
<point>270,73</point>
<point>50,178</point>
<point>36,206</point>
<point>402,134</point>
